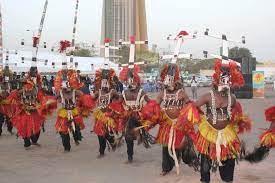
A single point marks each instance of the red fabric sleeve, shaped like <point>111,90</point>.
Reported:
<point>268,138</point>
<point>40,95</point>
<point>151,112</point>
<point>86,103</point>
<point>189,116</point>
<point>116,107</point>
<point>48,105</point>
<point>11,106</point>
<point>14,96</point>
<point>270,114</point>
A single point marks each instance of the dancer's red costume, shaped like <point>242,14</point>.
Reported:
<point>6,77</point>
<point>268,138</point>
<point>29,108</point>
<point>219,125</point>
<point>134,99</point>
<point>173,98</point>
<point>74,104</point>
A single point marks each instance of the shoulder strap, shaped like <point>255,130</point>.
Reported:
<point>62,97</point>
<point>99,94</point>
<point>139,97</point>
<point>124,96</point>
<point>109,96</point>
<point>177,93</point>
<point>164,94</point>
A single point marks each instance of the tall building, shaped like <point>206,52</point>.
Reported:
<point>122,19</point>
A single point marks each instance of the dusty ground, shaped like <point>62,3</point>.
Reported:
<point>49,164</point>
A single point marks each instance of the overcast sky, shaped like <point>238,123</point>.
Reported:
<point>253,18</point>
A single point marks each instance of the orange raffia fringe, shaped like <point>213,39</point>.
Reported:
<point>164,72</point>
<point>165,125</point>
<point>243,123</point>
<point>123,75</point>
<point>268,138</point>
<point>206,138</point>
<point>86,103</point>
<point>98,79</point>
<point>236,80</point>
<point>72,79</point>
<point>103,122</point>
<point>62,122</point>
<point>151,111</point>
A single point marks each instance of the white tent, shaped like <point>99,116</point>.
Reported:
<point>84,63</point>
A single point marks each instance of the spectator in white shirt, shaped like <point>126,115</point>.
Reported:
<point>194,87</point>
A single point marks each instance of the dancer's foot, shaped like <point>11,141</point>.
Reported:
<point>77,143</point>
<point>113,147</point>
<point>129,161</point>
<point>163,173</point>
<point>28,148</point>
<point>36,144</point>
<point>100,156</point>
<point>67,151</point>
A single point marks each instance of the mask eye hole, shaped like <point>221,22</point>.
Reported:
<point>169,80</point>
<point>104,83</point>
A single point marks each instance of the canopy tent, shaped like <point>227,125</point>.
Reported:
<point>84,63</point>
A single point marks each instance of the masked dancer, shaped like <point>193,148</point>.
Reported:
<point>219,122</point>
<point>6,77</point>
<point>73,102</point>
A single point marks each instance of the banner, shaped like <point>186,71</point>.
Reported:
<point>258,84</point>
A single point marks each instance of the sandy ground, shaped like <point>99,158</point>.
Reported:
<point>48,164</point>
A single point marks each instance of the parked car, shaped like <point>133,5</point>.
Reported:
<point>187,80</point>
<point>148,78</point>
<point>204,81</point>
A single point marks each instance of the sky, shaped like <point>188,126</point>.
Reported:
<point>254,19</point>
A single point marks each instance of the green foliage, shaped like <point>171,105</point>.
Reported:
<point>147,56</point>
<point>81,53</point>
<point>149,67</point>
<point>191,66</point>
<point>237,52</point>
<point>194,66</point>
<point>124,53</point>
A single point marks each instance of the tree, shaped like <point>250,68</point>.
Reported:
<point>237,52</point>
<point>149,57</point>
<point>81,53</point>
<point>194,66</point>
<point>123,52</point>
<point>149,67</point>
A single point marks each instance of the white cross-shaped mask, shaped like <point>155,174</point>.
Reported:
<point>169,80</point>
<point>104,83</point>
<point>224,83</point>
